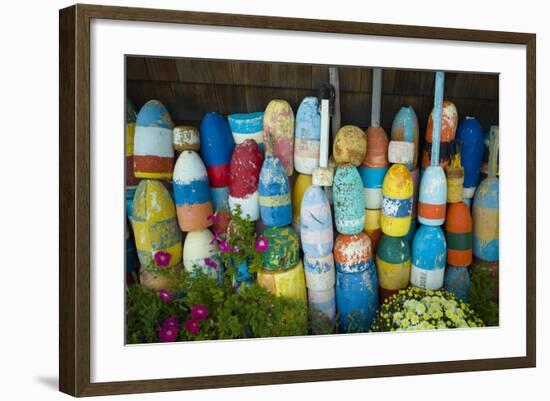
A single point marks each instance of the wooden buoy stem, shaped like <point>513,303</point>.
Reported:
<point>324,141</point>
<point>437,113</point>
<point>376,97</point>
<point>493,153</point>
<point>335,82</point>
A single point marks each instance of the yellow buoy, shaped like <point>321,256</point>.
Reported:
<point>285,283</point>
<point>397,191</point>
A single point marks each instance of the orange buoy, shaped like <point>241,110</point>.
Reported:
<point>458,233</point>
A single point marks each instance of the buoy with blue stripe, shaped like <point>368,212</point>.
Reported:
<point>316,223</point>
<point>397,192</point>
<point>191,192</point>
<point>393,262</point>
<point>485,209</point>
<point>155,226</point>
<point>349,200</point>
<point>216,148</point>
<point>405,129</point>
<point>200,254</point>
<point>301,183</point>
<point>457,282</point>
<point>432,198</point>
<point>429,256</point>
<point>248,126</point>
<point>320,281</point>
<point>274,191</point>
<point>374,167</point>
<point>308,136</point>
<point>448,123</point>
<point>471,138</point>
<point>244,171</point>
<point>279,133</point>
<point>153,151</point>
<point>356,282</point>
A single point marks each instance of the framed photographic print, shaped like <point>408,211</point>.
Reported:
<point>280,200</point>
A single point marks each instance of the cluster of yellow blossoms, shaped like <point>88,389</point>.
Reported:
<point>418,309</point>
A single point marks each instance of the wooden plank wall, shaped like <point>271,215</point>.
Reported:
<point>191,87</point>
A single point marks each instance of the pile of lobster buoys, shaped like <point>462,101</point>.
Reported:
<point>347,224</point>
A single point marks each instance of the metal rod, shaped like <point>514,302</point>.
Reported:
<point>437,114</point>
<point>376,97</point>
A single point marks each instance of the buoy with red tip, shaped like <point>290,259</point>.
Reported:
<point>216,148</point>
<point>153,151</point>
<point>432,198</point>
<point>405,129</point>
<point>244,175</point>
<point>279,133</point>
<point>191,192</point>
<point>308,136</point>
<point>448,122</point>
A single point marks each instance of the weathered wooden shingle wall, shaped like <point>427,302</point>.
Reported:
<point>190,87</point>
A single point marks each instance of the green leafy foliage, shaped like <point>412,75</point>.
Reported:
<point>480,296</point>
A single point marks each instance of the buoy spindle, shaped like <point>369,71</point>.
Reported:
<point>438,112</point>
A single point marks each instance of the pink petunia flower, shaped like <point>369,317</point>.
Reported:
<point>261,244</point>
<point>162,259</point>
<point>210,263</point>
<point>192,326</point>
<point>164,295</point>
<point>199,312</point>
<point>170,323</point>
<point>224,246</point>
<point>215,238</point>
<point>168,335</point>
<point>214,219</point>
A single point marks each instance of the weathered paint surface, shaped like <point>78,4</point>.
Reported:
<point>244,175</point>
<point>220,197</point>
<point>320,272</point>
<point>283,248</point>
<point>301,183</point>
<point>248,126</point>
<point>410,234</point>
<point>457,281</point>
<point>192,192</point>
<point>154,223</point>
<point>274,190</point>
<point>455,182</point>
<point>429,256</point>
<point>153,151</point>
<point>485,211</point>
<point>199,246</point>
<point>458,233</point>
<point>352,253</point>
<point>357,299</point>
<point>308,136</point>
<point>471,137</point>
<point>372,226</point>
<point>350,146</point>
<point>349,201</point>
<point>373,178</point>
<point>279,132</point>
<point>216,148</point>
<point>186,137</point>
<point>130,132</point>
<point>449,122</point>
<point>432,198</point>
<point>316,229</point>
<point>377,148</point>
<point>401,152</point>
<point>288,283</point>
<point>393,262</point>
<point>405,128</point>
<point>397,191</point>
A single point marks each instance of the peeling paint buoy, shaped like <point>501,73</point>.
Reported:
<point>201,254</point>
<point>393,262</point>
<point>283,250</point>
<point>316,223</point>
<point>274,191</point>
<point>350,146</point>
<point>191,192</point>
<point>278,133</point>
<point>153,151</point>
<point>405,129</point>
<point>320,280</point>
<point>186,137</point>
<point>248,126</point>
<point>349,201</point>
<point>429,256</point>
<point>289,283</point>
<point>457,282</point>
<point>397,191</point>
<point>449,121</point>
<point>301,183</point>
<point>308,136</point>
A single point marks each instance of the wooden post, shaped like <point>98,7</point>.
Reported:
<point>335,82</point>
<point>438,111</point>
<point>376,97</point>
